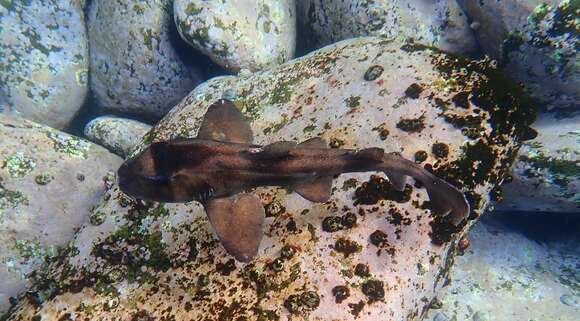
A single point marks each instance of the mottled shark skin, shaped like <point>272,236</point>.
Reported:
<point>222,162</point>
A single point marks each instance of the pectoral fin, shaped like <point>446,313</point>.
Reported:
<point>238,221</point>
<point>318,190</point>
<point>224,122</point>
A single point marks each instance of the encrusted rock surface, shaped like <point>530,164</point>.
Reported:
<point>505,275</point>
<point>386,258</point>
<point>536,41</point>
<point>49,180</point>
<point>546,175</point>
<point>117,134</point>
<point>247,34</point>
<point>43,60</point>
<point>134,66</point>
<point>436,23</point>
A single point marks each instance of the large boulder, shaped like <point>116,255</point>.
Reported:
<point>536,41</point>
<point>546,174</point>
<point>117,134</point>
<point>43,60</point>
<point>135,67</point>
<point>435,23</point>
<point>368,253</point>
<point>248,34</point>
<point>49,181</point>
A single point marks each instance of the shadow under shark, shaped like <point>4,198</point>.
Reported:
<point>222,162</point>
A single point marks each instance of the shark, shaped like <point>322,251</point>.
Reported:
<point>221,166</point>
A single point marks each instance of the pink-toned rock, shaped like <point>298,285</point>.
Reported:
<point>139,261</point>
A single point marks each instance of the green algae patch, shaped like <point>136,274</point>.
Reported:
<point>70,145</point>
<point>11,199</point>
<point>43,179</point>
<point>557,166</point>
<point>19,165</point>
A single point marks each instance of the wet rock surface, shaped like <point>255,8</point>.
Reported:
<point>504,275</point>
<point>248,34</point>
<point>138,260</point>
<point>436,23</point>
<point>536,41</point>
<point>49,181</point>
<point>117,134</point>
<point>43,60</point>
<point>135,68</point>
<point>546,174</point>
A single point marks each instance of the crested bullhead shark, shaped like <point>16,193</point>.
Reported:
<point>221,163</point>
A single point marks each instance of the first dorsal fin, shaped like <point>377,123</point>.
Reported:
<point>224,122</point>
<point>318,190</point>
<point>238,221</point>
<point>277,149</point>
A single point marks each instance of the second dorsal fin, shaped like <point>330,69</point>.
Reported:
<point>318,190</point>
<point>277,149</point>
<point>224,122</point>
<point>315,142</point>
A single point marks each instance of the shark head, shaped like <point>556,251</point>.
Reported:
<point>157,174</point>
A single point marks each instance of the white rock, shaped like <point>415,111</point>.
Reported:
<point>546,175</point>
<point>247,34</point>
<point>43,60</point>
<point>49,181</point>
<point>435,23</point>
<point>163,261</point>
<point>134,66</point>
<point>537,41</point>
<point>117,134</point>
<point>506,276</point>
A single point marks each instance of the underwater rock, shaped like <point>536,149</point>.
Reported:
<point>144,260</point>
<point>441,24</point>
<point>43,60</point>
<point>536,42</point>
<point>117,134</point>
<point>134,66</point>
<point>249,34</point>
<point>546,174</point>
<point>508,276</point>
<point>49,180</point>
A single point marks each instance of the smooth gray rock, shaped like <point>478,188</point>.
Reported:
<point>117,134</point>
<point>246,34</point>
<point>43,60</point>
<point>546,174</point>
<point>505,275</point>
<point>536,41</point>
<point>434,23</point>
<point>134,67</point>
<point>49,181</point>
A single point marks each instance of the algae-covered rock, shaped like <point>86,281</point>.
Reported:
<point>546,174</point>
<point>134,66</point>
<point>248,34</point>
<point>117,134</point>
<point>505,275</point>
<point>49,180</point>
<point>436,23</point>
<point>43,60</point>
<point>536,41</point>
<point>385,255</point>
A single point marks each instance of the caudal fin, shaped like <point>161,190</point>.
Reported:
<point>445,198</point>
